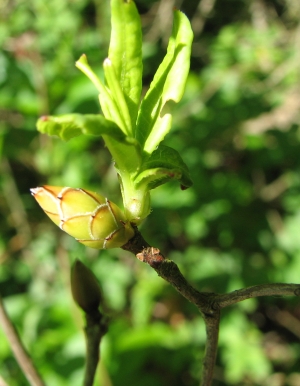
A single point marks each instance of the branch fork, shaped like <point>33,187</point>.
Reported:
<point>209,304</point>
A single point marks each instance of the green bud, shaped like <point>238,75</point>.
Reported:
<point>89,217</point>
<point>85,287</point>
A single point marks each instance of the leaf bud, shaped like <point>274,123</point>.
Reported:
<point>85,288</point>
<point>89,217</point>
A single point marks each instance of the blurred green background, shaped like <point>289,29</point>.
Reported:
<point>237,128</point>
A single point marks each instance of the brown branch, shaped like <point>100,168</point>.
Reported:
<point>87,295</point>
<point>20,353</point>
<point>209,304</point>
<point>169,271</point>
<point>212,323</point>
<point>274,289</point>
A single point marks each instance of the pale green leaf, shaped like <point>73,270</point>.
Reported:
<point>168,84</point>
<point>125,150</point>
<point>125,52</point>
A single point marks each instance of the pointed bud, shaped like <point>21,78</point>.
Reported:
<point>92,219</point>
<point>85,287</point>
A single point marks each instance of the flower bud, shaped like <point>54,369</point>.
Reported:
<point>92,219</point>
<point>85,287</point>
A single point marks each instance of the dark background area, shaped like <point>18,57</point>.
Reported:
<point>237,128</point>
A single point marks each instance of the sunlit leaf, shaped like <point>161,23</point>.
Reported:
<point>125,51</point>
<point>168,84</point>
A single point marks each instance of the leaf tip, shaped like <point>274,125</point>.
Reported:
<point>82,60</point>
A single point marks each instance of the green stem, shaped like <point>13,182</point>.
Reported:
<point>136,201</point>
<point>95,329</point>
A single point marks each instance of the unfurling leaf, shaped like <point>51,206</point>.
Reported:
<point>71,125</point>
<point>163,165</point>
<point>168,85</point>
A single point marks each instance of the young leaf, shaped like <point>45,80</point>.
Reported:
<point>125,150</point>
<point>125,52</point>
<point>109,103</point>
<point>152,178</point>
<point>168,84</point>
<point>71,125</point>
<point>117,95</point>
<point>163,165</point>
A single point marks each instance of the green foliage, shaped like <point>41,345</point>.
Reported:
<point>236,129</point>
<point>145,127</point>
